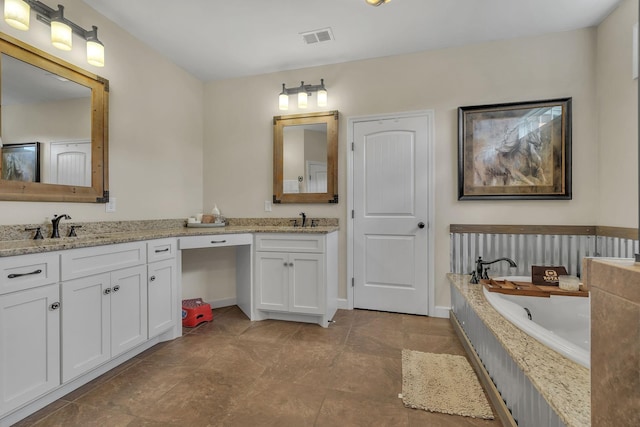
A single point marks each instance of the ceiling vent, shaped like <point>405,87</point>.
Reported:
<point>317,36</point>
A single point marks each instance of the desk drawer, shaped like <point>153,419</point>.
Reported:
<point>303,242</point>
<point>100,259</point>
<point>161,249</point>
<point>214,241</point>
<point>28,271</point>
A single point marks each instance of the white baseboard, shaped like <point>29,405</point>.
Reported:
<point>441,312</point>
<point>222,302</point>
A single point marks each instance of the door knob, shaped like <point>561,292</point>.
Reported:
<point>421,224</point>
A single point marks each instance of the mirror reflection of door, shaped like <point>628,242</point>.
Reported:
<point>305,158</point>
<point>38,105</point>
<point>70,163</point>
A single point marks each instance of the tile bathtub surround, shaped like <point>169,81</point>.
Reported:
<point>615,341</point>
<point>551,373</point>
<point>234,372</point>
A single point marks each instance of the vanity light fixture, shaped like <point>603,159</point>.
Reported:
<point>377,2</point>
<point>303,91</point>
<point>17,12</point>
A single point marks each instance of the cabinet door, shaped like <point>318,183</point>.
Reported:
<point>128,308</point>
<point>307,283</point>
<point>85,324</point>
<point>272,281</point>
<point>29,345</point>
<point>162,297</point>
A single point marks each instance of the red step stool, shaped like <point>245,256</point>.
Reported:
<point>194,312</point>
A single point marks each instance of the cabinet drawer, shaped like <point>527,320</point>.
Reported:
<point>161,249</point>
<point>215,240</point>
<point>89,261</point>
<point>290,243</point>
<point>29,271</point>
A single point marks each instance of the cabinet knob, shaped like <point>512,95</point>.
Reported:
<point>116,288</point>
<point>290,264</point>
<point>286,264</point>
<point>54,306</point>
<point>152,278</point>
<point>107,291</point>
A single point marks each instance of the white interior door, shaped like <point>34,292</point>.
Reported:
<point>390,201</point>
<point>317,177</point>
<point>71,163</point>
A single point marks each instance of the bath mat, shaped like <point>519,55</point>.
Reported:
<point>442,383</point>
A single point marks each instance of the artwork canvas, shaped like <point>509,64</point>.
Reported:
<point>515,151</point>
<point>21,162</point>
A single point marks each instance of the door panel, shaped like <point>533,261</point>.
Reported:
<point>128,308</point>
<point>390,170</point>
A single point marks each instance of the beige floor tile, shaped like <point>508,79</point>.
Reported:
<point>233,372</point>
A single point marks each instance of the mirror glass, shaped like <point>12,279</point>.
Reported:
<point>53,120</point>
<point>305,158</point>
<point>46,126</point>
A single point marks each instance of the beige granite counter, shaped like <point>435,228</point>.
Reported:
<point>15,241</point>
<point>565,384</point>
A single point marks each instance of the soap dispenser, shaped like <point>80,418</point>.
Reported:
<point>216,214</point>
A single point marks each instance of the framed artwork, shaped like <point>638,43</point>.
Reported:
<point>515,151</point>
<point>21,162</point>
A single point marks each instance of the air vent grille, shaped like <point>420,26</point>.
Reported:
<point>317,36</point>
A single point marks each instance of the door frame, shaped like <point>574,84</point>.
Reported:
<point>429,117</point>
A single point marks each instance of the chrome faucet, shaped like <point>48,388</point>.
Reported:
<point>481,272</point>
<point>304,218</point>
<point>55,232</point>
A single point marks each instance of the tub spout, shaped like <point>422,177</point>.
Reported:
<point>481,272</point>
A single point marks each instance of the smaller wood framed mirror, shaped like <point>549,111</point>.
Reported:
<point>305,158</point>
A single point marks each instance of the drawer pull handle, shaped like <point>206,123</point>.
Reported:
<point>107,291</point>
<point>54,306</point>
<point>13,276</point>
<point>116,288</point>
<point>218,241</point>
<point>162,250</point>
<point>152,278</point>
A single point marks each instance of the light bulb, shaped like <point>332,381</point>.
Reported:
<point>61,35</point>
<point>95,53</point>
<point>322,98</point>
<point>302,99</point>
<point>17,14</point>
<point>283,101</point>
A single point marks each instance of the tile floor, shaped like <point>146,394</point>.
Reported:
<point>233,372</point>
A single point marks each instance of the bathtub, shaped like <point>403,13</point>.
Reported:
<point>559,322</point>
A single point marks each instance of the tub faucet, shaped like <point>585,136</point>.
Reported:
<point>304,218</point>
<point>481,273</point>
<point>55,232</point>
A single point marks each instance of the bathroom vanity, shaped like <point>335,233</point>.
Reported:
<point>70,310</point>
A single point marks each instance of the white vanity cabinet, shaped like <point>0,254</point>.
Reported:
<point>105,310</point>
<point>296,276</point>
<point>29,328</point>
<point>162,289</point>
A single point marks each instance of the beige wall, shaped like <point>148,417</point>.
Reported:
<point>238,128</point>
<point>155,132</point>
<point>177,146</point>
<point>617,100</point>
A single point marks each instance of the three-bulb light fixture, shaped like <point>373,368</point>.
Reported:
<point>377,2</point>
<point>18,12</point>
<point>303,91</point>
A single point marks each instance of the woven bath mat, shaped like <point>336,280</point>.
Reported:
<point>442,383</point>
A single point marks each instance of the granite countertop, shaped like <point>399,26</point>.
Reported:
<point>112,235</point>
<point>565,384</point>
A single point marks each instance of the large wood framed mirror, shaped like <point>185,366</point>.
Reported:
<point>54,128</point>
<point>305,158</point>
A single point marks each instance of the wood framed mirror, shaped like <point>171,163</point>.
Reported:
<point>61,111</point>
<point>305,158</point>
